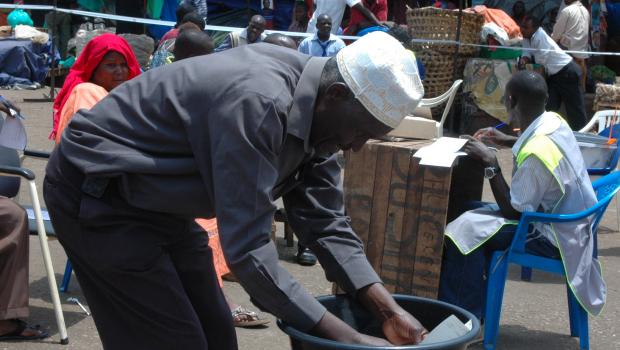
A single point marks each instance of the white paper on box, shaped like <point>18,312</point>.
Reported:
<point>442,152</point>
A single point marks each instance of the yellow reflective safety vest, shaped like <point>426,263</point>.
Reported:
<point>554,144</point>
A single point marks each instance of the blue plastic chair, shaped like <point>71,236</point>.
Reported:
<point>606,188</point>
<point>526,272</point>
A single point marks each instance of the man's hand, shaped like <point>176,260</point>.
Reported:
<point>494,137</point>
<point>399,326</point>
<point>331,327</point>
<point>402,329</point>
<point>479,151</point>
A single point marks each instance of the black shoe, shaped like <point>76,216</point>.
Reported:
<point>306,257</point>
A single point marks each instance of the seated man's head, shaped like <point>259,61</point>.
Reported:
<point>365,91</point>
<point>195,18</point>
<point>529,25</point>
<point>525,98</point>
<point>192,42</point>
<point>266,4</point>
<point>255,28</point>
<point>281,40</point>
<point>323,25</point>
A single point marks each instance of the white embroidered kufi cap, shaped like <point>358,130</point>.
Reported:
<point>383,75</point>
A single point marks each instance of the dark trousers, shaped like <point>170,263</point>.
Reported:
<point>14,243</point>
<point>59,24</point>
<point>565,86</point>
<point>148,277</point>
<point>463,282</point>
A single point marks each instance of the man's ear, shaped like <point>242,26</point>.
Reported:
<point>512,101</point>
<point>337,91</point>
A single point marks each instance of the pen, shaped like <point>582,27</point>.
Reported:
<point>499,125</point>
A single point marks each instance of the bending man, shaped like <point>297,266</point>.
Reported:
<point>131,174</point>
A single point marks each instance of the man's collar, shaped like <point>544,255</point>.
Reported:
<point>527,133</point>
<point>302,111</point>
<point>316,37</point>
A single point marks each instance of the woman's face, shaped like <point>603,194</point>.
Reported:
<point>111,71</point>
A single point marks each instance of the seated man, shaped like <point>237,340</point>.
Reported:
<point>14,270</point>
<point>323,43</point>
<point>550,177</point>
<point>252,34</point>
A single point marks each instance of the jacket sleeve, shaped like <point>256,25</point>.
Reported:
<point>245,137</point>
<point>315,211</point>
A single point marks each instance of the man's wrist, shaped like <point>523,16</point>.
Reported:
<point>379,301</point>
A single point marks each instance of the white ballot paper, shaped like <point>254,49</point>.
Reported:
<point>442,152</point>
<point>12,132</point>
<point>448,329</point>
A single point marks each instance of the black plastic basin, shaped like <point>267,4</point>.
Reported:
<point>429,312</point>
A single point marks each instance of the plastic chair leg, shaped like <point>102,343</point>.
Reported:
<point>578,321</point>
<point>618,212</point>
<point>526,274</point>
<point>498,271</point>
<point>66,278</point>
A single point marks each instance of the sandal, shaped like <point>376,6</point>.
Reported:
<point>243,317</point>
<point>17,333</point>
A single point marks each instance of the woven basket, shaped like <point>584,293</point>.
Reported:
<point>439,69</point>
<point>430,23</point>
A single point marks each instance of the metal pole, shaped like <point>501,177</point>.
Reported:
<point>459,23</point>
<point>50,97</point>
<point>53,77</point>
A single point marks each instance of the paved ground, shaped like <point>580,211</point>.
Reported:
<point>534,315</point>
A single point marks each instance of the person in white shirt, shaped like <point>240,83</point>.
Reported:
<point>323,43</point>
<point>335,10</point>
<point>571,32</point>
<point>563,74</point>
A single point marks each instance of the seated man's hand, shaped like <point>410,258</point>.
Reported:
<point>402,329</point>
<point>494,137</point>
<point>479,151</point>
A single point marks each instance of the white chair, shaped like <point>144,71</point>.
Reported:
<point>424,128</point>
<point>603,120</point>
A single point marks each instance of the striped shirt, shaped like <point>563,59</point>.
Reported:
<point>533,187</point>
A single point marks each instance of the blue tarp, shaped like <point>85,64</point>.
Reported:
<point>282,16</point>
<point>21,62</point>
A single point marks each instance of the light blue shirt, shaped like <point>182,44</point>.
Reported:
<point>314,47</point>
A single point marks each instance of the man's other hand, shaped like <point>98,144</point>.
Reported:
<point>399,326</point>
<point>492,136</point>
